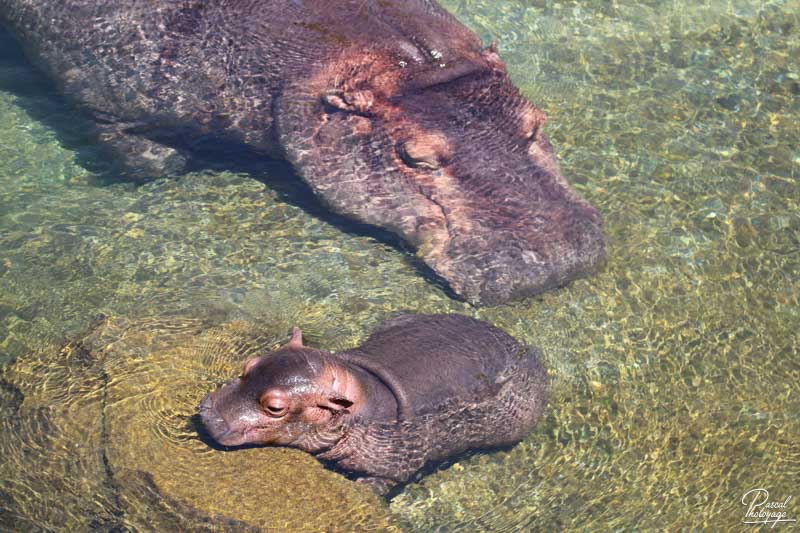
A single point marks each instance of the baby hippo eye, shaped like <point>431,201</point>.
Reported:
<point>425,151</point>
<point>274,403</point>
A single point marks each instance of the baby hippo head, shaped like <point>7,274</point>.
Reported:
<point>295,396</point>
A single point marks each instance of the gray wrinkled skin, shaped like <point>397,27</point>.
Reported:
<point>420,389</point>
<point>391,111</point>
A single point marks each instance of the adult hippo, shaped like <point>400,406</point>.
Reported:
<point>391,111</point>
<point>420,389</point>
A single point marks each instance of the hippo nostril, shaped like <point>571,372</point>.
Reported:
<point>215,424</point>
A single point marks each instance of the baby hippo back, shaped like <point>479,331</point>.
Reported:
<point>441,358</point>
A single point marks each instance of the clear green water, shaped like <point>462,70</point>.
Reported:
<point>674,371</point>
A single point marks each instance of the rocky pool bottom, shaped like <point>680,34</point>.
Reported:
<point>675,371</point>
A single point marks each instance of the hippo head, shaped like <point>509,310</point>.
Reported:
<point>424,134</point>
<point>295,396</point>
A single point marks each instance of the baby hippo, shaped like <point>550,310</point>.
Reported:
<point>420,389</point>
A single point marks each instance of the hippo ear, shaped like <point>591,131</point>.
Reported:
<point>492,57</point>
<point>335,403</point>
<point>296,342</point>
<point>531,121</point>
<point>249,364</point>
<point>353,101</point>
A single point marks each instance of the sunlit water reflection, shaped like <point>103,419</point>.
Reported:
<point>674,371</point>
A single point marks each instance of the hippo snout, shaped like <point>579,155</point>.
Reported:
<point>233,416</point>
<point>212,420</point>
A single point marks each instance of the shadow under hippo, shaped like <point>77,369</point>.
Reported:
<point>393,113</point>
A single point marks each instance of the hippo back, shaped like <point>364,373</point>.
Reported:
<point>443,358</point>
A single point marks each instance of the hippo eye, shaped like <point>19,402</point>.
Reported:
<point>275,411</point>
<point>274,403</point>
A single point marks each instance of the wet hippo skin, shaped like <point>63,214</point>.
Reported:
<point>392,112</point>
<point>420,389</point>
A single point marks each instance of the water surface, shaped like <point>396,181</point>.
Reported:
<point>674,370</point>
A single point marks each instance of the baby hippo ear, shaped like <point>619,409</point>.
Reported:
<point>336,403</point>
<point>249,364</point>
<point>296,342</point>
<point>353,101</point>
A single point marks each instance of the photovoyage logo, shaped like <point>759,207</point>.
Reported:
<point>761,510</point>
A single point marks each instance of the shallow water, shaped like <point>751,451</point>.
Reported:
<point>674,371</point>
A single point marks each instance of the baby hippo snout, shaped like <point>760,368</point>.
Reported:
<point>212,420</point>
